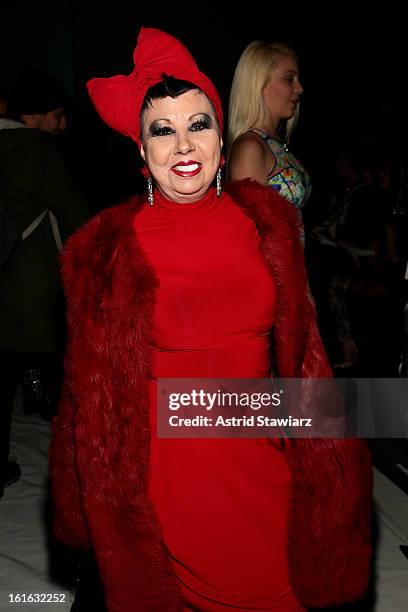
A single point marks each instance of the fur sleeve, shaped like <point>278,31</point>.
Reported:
<point>69,524</point>
<point>69,521</point>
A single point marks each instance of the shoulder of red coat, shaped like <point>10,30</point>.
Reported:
<point>265,206</point>
<point>101,233</point>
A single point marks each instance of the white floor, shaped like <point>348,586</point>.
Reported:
<point>24,556</point>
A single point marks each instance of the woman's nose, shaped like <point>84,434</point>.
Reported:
<point>299,88</point>
<point>184,144</point>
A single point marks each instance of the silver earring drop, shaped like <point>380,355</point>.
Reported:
<point>150,191</point>
<point>219,188</point>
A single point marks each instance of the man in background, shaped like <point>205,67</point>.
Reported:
<point>40,207</point>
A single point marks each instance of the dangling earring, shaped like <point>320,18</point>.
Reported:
<point>219,187</point>
<point>218,176</point>
<point>150,190</point>
<point>149,184</point>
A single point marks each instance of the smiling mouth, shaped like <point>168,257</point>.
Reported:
<point>187,169</point>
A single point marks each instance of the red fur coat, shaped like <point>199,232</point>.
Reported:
<point>100,449</point>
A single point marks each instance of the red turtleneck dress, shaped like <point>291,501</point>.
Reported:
<point>222,503</point>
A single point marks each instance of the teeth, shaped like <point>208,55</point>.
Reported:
<point>189,168</point>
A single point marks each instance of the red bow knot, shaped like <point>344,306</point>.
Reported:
<point>119,99</point>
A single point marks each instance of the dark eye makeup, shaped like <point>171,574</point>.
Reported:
<point>204,122</point>
<point>160,130</point>
<point>200,122</point>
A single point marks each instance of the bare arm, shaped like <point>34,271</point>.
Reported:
<point>248,159</point>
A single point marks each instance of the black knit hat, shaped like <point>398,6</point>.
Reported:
<point>36,92</point>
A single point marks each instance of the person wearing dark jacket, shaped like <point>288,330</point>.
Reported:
<point>42,206</point>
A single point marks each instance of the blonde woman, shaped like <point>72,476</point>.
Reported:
<point>263,111</point>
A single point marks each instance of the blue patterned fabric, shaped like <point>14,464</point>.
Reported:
<point>288,175</point>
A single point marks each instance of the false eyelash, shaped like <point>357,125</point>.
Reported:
<point>201,124</point>
<point>161,131</point>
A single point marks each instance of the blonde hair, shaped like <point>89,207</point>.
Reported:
<point>247,107</point>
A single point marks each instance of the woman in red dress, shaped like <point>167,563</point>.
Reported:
<point>195,282</point>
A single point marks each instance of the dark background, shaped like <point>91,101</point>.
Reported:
<point>352,62</point>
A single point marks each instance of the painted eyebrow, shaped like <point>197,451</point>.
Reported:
<point>198,114</point>
<point>190,118</point>
<point>160,119</point>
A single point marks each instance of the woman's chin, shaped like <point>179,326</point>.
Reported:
<point>189,188</point>
<point>189,197</point>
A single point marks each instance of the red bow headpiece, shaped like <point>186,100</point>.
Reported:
<point>119,99</point>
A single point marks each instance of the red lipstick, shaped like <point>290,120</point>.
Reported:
<point>187,168</point>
